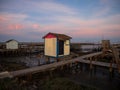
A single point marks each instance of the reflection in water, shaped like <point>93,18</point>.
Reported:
<point>89,48</point>
<point>29,61</point>
<point>35,61</point>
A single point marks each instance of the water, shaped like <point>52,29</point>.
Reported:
<point>88,48</point>
<point>30,61</point>
<point>34,61</point>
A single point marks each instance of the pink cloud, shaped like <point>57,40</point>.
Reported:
<point>36,26</point>
<point>12,17</point>
<point>74,26</point>
<point>15,27</point>
<point>2,18</point>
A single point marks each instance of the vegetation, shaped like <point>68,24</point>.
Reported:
<point>49,84</point>
<point>9,65</point>
<point>64,84</point>
<point>10,84</point>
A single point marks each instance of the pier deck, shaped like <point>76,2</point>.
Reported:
<point>55,65</point>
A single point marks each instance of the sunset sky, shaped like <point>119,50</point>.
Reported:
<point>83,20</point>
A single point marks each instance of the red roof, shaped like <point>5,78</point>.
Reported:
<point>59,36</point>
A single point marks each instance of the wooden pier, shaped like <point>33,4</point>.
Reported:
<point>116,54</point>
<point>23,49</point>
<point>55,65</point>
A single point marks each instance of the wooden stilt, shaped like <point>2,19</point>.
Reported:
<point>91,67</point>
<point>51,74</point>
<point>81,66</point>
<point>95,67</point>
<point>29,77</point>
<point>47,60</point>
<point>110,72</point>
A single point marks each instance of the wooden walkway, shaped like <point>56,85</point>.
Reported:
<point>55,65</point>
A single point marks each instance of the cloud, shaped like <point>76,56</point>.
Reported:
<point>15,27</point>
<point>54,7</point>
<point>36,26</point>
<point>102,11</point>
<point>103,8</point>
<point>79,27</point>
<point>49,7</point>
<point>15,24</point>
<point>4,16</point>
<point>18,24</point>
<point>34,19</point>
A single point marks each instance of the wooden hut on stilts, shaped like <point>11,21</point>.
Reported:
<point>56,45</point>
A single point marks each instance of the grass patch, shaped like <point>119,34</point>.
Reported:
<point>49,84</point>
<point>64,84</point>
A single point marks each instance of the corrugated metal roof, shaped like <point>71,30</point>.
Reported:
<point>11,40</point>
<point>59,36</point>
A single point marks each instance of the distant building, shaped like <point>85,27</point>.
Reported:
<point>12,44</point>
<point>106,45</point>
<point>56,45</point>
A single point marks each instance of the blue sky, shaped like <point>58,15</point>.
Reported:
<point>83,20</point>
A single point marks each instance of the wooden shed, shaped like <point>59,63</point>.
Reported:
<point>56,45</point>
<point>12,44</point>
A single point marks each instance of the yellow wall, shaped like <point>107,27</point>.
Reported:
<point>67,47</point>
<point>50,46</point>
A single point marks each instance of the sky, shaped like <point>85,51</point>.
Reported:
<point>83,20</point>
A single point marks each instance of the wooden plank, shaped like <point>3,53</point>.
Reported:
<point>90,55</point>
<point>5,74</point>
<point>104,64</point>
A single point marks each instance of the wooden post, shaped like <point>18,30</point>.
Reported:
<point>38,62</point>
<point>76,67</point>
<point>68,67</point>
<point>39,57</point>
<point>86,67</point>
<point>47,60</point>
<point>96,58</point>
<point>57,59</point>
<point>62,67</point>
<point>90,66</point>
<point>95,69</point>
<point>29,76</point>
<point>81,67</point>
<point>51,74</point>
<point>110,71</point>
